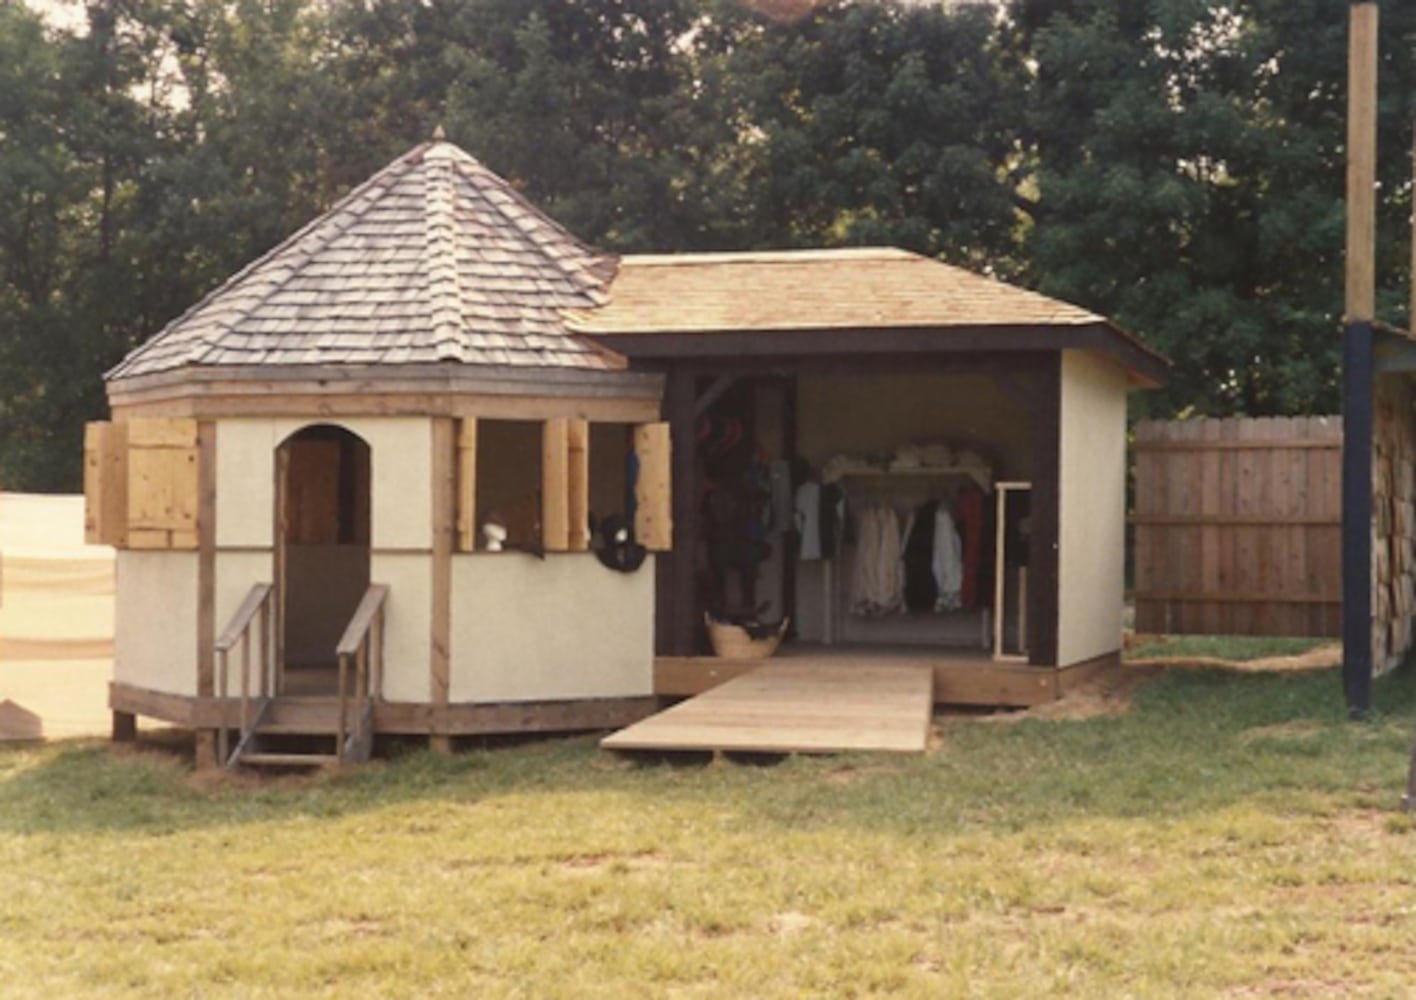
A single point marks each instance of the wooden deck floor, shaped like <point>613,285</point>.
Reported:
<point>783,707</point>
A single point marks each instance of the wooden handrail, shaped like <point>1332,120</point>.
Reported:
<point>242,618</point>
<point>239,631</point>
<point>369,605</point>
<point>363,642</point>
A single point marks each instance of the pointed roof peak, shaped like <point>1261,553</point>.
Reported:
<point>432,259</point>
<point>439,133</point>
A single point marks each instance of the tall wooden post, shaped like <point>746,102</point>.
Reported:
<point>1358,368</point>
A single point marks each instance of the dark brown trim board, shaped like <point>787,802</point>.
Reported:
<point>1045,419</point>
<point>1150,368</point>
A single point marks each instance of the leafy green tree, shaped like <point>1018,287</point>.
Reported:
<point>1190,176</point>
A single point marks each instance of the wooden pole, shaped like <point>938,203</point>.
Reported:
<point>1411,316</point>
<point>1358,370</point>
<point>1362,163</point>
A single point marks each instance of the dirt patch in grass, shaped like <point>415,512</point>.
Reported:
<point>1109,692</point>
<point>1320,658</point>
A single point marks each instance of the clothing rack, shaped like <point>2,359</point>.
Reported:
<point>919,476</point>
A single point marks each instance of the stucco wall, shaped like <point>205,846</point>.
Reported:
<point>155,621</point>
<point>408,624</point>
<point>1091,508</point>
<point>524,629</point>
<point>401,450</point>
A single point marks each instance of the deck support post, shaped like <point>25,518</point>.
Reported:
<point>125,727</point>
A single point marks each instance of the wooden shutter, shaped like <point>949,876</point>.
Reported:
<point>555,493</point>
<point>653,495</point>
<point>467,484</point>
<point>105,484</point>
<point>162,484</point>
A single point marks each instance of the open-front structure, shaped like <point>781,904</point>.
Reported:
<point>400,476</point>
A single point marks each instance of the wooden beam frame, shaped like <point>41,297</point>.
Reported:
<point>1045,429</point>
<point>444,487</point>
<point>555,485</point>
<point>206,579</point>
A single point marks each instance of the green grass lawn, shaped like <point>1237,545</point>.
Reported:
<point>1232,835</point>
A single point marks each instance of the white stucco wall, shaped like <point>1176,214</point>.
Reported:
<point>408,624</point>
<point>1091,508</point>
<point>155,621</point>
<point>401,456</point>
<point>524,629</point>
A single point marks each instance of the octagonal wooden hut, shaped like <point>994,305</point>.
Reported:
<point>301,466</point>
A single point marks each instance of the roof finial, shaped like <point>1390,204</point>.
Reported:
<point>438,134</point>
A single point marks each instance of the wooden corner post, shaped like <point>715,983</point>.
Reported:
<point>1358,368</point>
<point>444,444</point>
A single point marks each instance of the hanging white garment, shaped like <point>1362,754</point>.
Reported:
<point>876,586</point>
<point>948,562</point>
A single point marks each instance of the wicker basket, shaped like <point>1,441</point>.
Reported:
<point>731,642</point>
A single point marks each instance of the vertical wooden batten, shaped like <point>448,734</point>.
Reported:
<point>444,487</point>
<point>467,484</point>
<point>206,579</point>
<point>555,509</point>
<point>653,493</point>
<point>1358,363</point>
<point>578,484</point>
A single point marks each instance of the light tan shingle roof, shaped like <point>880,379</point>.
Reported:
<point>812,290</point>
<point>434,258</point>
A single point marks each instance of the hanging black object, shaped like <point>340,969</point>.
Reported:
<point>617,548</point>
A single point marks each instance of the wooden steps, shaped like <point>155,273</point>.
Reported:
<point>301,731</point>
<point>289,759</point>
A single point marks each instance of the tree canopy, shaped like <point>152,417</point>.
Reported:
<point>1174,164</point>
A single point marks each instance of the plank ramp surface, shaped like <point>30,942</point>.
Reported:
<point>790,708</point>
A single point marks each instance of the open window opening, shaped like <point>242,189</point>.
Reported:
<point>508,485</point>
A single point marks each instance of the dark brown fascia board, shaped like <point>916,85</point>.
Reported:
<point>337,380</point>
<point>1146,367</point>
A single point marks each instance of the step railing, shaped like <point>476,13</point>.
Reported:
<point>254,611</point>
<point>361,649</point>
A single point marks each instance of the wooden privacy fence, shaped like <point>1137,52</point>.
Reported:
<point>1238,526</point>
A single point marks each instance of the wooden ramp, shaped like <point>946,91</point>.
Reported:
<point>790,708</point>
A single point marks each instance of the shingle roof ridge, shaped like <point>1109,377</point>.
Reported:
<point>440,259</point>
<point>581,268</point>
<point>395,169</point>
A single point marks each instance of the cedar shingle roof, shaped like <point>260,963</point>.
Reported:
<point>811,290</point>
<point>433,259</point>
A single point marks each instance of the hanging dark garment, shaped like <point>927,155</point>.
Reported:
<point>970,523</point>
<point>921,589</point>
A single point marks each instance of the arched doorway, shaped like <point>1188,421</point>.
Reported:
<point>322,550</point>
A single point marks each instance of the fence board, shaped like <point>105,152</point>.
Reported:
<point>1238,526</point>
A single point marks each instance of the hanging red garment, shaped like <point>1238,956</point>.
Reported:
<point>970,523</point>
